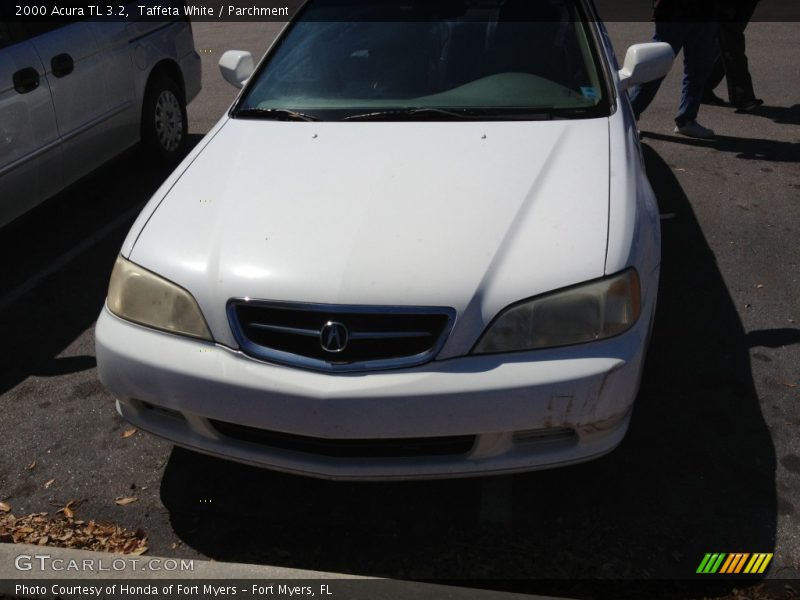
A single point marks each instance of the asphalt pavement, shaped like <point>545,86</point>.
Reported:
<point>711,462</point>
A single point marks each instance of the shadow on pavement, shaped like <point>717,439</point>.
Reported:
<point>773,338</point>
<point>44,316</point>
<point>65,365</point>
<point>695,474</point>
<point>780,114</point>
<point>744,148</point>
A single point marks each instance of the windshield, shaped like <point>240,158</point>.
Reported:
<point>391,60</point>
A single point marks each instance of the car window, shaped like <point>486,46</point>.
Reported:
<point>495,56</point>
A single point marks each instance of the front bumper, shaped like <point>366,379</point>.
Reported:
<point>527,411</point>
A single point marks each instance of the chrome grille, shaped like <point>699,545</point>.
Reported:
<point>339,338</point>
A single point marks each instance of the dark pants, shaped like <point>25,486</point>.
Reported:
<point>697,42</point>
<point>731,60</point>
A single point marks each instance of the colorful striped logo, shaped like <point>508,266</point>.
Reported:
<point>732,564</point>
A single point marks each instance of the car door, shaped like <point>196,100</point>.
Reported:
<point>122,110</point>
<point>30,154</point>
<point>75,72</point>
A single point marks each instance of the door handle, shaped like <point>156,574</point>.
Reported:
<point>62,65</point>
<point>26,80</point>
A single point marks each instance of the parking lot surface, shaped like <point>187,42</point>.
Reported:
<point>711,462</point>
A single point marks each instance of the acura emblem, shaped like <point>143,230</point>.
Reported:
<point>333,337</point>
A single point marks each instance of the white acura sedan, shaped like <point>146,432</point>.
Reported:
<point>420,244</point>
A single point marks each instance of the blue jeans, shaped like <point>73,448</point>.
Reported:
<point>697,42</point>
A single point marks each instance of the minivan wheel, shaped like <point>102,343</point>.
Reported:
<point>164,122</point>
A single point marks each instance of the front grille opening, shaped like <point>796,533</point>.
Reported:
<point>353,448</point>
<point>553,434</point>
<point>376,337</point>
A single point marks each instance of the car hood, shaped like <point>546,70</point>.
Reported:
<point>469,215</point>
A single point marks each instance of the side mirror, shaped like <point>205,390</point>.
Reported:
<point>645,62</point>
<point>236,67</point>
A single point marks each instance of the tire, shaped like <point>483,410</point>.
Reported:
<point>164,121</point>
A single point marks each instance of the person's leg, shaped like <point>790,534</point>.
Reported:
<point>732,40</point>
<point>642,95</point>
<point>698,58</point>
<point>717,71</point>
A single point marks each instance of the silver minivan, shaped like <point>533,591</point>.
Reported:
<point>74,94</point>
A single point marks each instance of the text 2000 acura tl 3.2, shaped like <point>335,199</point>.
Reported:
<point>420,244</point>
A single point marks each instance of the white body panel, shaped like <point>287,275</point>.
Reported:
<point>80,98</point>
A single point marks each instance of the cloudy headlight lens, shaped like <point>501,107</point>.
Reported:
<point>585,313</point>
<point>137,295</point>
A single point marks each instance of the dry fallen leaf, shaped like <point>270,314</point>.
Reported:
<point>66,506</point>
<point>128,432</point>
<point>125,501</point>
<point>49,483</point>
<point>69,533</point>
<point>32,466</point>
<point>69,509</point>
<point>5,507</point>
<point>139,551</point>
<point>789,385</point>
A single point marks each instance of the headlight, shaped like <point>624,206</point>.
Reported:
<point>143,297</point>
<point>584,313</point>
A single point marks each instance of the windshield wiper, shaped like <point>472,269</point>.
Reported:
<point>412,113</point>
<point>278,114</point>
<point>451,114</point>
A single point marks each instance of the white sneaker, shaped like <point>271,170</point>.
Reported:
<point>695,130</point>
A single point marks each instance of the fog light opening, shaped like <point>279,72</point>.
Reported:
<point>557,434</point>
<point>165,412</point>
